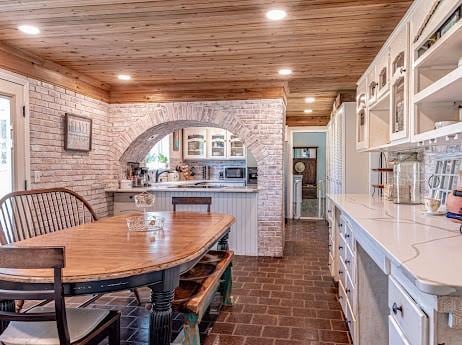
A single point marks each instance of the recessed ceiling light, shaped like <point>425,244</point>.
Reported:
<point>29,29</point>
<point>124,77</point>
<point>285,71</point>
<point>308,111</point>
<point>310,99</point>
<point>276,14</point>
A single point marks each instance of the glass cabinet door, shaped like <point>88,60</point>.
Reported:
<point>216,140</point>
<point>236,148</point>
<point>399,60</point>
<point>195,143</point>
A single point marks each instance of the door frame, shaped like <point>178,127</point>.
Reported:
<point>290,133</point>
<point>21,179</point>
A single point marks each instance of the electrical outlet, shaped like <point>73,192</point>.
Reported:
<point>37,176</point>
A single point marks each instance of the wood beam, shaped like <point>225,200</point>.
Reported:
<point>214,91</point>
<point>306,121</point>
<point>32,66</point>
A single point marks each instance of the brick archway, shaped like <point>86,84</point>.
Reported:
<point>260,124</point>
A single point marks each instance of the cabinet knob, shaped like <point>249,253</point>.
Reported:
<point>340,247</point>
<point>402,70</point>
<point>347,262</point>
<point>347,290</point>
<point>347,235</point>
<point>340,272</point>
<point>397,308</point>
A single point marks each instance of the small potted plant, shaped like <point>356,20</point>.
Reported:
<point>163,160</point>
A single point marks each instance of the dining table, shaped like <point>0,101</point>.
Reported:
<point>104,256</point>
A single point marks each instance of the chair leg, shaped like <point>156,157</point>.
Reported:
<point>137,296</point>
<point>114,333</point>
<point>191,330</point>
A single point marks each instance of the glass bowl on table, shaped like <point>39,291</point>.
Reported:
<point>145,223</point>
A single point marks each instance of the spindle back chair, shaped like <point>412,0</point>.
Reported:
<point>48,258</point>
<point>197,200</point>
<point>31,213</point>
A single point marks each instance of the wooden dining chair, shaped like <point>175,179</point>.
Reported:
<point>31,213</point>
<point>67,326</point>
<point>196,200</point>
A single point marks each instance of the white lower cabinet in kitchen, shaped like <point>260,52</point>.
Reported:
<point>408,316</point>
<point>395,334</point>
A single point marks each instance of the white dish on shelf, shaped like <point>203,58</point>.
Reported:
<point>440,124</point>
<point>436,213</point>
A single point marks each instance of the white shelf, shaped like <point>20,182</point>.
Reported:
<point>450,130</point>
<point>447,89</point>
<point>382,103</point>
<point>446,51</point>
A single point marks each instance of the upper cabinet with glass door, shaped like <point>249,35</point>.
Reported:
<point>216,143</point>
<point>399,102</point>
<point>194,143</point>
<point>236,148</point>
<point>362,130</point>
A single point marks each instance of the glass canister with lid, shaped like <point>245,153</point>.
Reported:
<point>406,176</point>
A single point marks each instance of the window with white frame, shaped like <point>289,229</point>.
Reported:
<point>159,155</point>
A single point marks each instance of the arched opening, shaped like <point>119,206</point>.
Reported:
<point>259,124</point>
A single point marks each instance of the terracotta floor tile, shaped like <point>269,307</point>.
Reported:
<point>276,332</point>
<point>248,330</point>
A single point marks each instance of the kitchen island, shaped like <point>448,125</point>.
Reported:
<point>238,201</point>
<point>398,271</point>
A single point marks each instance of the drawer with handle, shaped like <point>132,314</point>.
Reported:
<point>348,234</point>
<point>395,334</point>
<point>350,264</point>
<point>406,313</point>
<point>351,322</point>
<point>342,297</point>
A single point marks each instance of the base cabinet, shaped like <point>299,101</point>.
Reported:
<point>381,305</point>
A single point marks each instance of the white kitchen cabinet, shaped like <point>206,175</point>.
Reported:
<point>382,73</point>
<point>216,143</point>
<point>236,148</point>
<point>399,100</point>
<point>212,143</point>
<point>347,169</point>
<point>194,143</point>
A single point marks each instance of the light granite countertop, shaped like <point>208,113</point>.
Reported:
<point>428,249</point>
<point>181,186</point>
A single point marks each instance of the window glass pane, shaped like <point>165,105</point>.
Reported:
<point>6,166</point>
<point>159,155</point>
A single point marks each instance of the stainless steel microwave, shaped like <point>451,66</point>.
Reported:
<point>232,173</point>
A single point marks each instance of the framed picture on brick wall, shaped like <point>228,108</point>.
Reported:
<point>77,133</point>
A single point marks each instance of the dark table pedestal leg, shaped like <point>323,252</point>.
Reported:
<point>223,243</point>
<point>6,306</point>
<point>160,330</point>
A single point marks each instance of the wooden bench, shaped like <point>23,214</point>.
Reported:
<point>195,308</point>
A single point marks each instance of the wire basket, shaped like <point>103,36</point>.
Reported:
<point>145,223</point>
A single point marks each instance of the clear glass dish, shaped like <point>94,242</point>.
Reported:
<point>145,223</point>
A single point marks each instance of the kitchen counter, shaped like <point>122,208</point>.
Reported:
<point>428,249</point>
<point>181,186</point>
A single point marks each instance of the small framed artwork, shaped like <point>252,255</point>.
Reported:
<point>77,133</point>
<point>176,140</point>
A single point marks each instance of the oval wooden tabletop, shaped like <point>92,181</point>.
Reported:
<point>106,250</point>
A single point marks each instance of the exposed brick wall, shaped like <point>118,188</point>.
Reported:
<point>86,173</point>
<point>260,124</point>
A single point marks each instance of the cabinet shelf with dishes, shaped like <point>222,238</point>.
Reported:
<point>437,100</point>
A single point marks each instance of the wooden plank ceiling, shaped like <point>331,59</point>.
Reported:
<point>206,49</point>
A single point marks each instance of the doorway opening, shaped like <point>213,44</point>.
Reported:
<point>307,166</point>
<point>14,133</point>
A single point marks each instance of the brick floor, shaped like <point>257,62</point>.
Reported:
<point>290,300</point>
